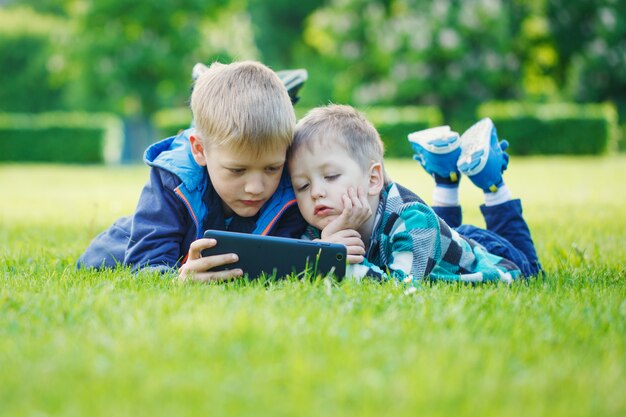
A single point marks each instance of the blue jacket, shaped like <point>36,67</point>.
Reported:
<point>176,206</point>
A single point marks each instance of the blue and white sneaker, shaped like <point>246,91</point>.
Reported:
<point>437,149</point>
<point>482,157</point>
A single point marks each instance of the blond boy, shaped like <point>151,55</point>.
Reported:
<point>226,173</point>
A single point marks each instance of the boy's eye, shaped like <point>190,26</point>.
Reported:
<point>274,169</point>
<point>236,170</point>
<point>331,177</point>
<point>302,187</point>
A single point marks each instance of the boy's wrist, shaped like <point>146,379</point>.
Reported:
<point>327,232</point>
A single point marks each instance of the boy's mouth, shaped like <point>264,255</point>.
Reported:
<point>252,203</point>
<point>322,211</point>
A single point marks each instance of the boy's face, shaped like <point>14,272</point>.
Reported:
<point>320,178</point>
<point>244,181</point>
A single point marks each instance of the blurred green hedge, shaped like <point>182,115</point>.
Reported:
<point>171,121</point>
<point>60,137</point>
<point>393,124</point>
<point>560,128</point>
<point>530,128</point>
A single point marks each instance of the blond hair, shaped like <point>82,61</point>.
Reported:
<point>244,106</point>
<point>341,124</point>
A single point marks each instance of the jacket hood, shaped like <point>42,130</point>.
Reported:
<point>174,155</point>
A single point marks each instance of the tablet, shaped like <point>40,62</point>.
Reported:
<point>278,256</point>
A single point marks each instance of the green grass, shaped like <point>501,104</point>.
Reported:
<point>114,343</point>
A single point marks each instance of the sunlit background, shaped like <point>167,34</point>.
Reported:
<point>87,84</point>
<point>117,74</point>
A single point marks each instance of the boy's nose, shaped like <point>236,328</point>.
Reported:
<point>317,191</point>
<point>254,185</point>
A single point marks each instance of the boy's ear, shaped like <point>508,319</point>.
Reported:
<point>197,150</point>
<point>376,179</point>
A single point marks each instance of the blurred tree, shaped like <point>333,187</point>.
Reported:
<point>591,38</point>
<point>538,54</point>
<point>135,58</point>
<point>450,53</point>
<point>28,62</point>
<point>571,27</point>
<point>279,36</point>
<point>54,7</point>
<point>278,28</point>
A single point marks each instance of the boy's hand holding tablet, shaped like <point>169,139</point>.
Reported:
<point>196,262</point>
<point>228,255</point>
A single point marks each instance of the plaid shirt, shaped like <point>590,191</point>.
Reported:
<point>410,242</point>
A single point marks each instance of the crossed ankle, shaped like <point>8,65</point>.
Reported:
<point>502,195</point>
<point>446,196</point>
<point>451,182</point>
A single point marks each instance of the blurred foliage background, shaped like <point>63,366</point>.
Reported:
<point>134,59</point>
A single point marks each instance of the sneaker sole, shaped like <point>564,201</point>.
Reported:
<point>438,140</point>
<point>475,143</point>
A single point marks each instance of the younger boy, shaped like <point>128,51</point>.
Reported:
<point>226,173</point>
<point>337,151</point>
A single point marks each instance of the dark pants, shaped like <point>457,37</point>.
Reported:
<point>507,233</point>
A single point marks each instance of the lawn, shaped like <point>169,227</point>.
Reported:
<point>115,344</point>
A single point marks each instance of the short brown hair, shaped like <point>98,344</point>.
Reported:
<point>243,105</point>
<point>344,124</point>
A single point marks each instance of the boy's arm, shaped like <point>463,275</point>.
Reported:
<point>160,225</point>
<point>421,245</point>
<point>411,247</point>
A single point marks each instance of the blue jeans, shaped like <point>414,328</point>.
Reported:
<point>507,233</point>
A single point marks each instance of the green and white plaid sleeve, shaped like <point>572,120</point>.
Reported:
<point>415,243</point>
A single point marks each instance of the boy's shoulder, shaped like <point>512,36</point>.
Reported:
<point>398,195</point>
<point>174,155</point>
<point>402,204</point>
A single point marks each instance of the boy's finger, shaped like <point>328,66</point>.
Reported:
<point>218,276</point>
<point>362,197</point>
<point>210,262</point>
<point>355,253</point>
<point>203,264</point>
<point>352,241</point>
<point>354,197</point>
<point>355,259</point>
<point>357,245</point>
<point>347,203</point>
<point>355,248</point>
<point>197,246</point>
<point>348,233</point>
<point>345,235</point>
